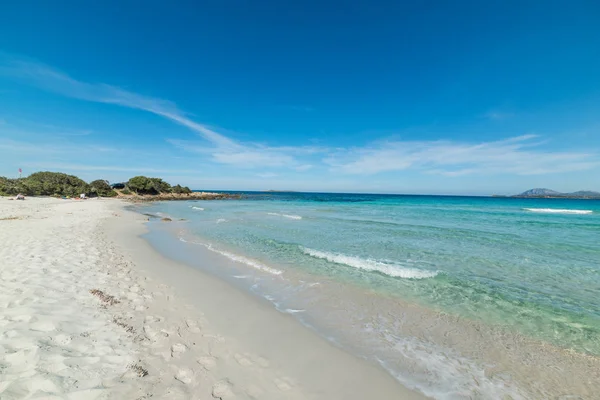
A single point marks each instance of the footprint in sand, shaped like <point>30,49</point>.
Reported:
<point>154,335</point>
<point>263,362</point>
<point>207,362</point>
<point>254,392</point>
<point>153,318</point>
<point>185,375</point>
<point>42,326</point>
<point>283,384</point>
<point>222,389</point>
<point>177,349</point>
<point>243,361</point>
<point>217,347</point>
<point>20,318</point>
<point>192,326</point>
<point>62,340</point>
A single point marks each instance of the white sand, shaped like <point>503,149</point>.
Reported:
<point>197,337</point>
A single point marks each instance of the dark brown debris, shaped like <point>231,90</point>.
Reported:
<point>107,299</point>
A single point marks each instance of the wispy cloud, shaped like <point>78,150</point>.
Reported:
<point>519,155</point>
<point>86,167</point>
<point>496,115</point>
<point>50,79</point>
<point>303,167</point>
<point>267,175</point>
<point>222,148</point>
<point>20,128</point>
<point>76,133</point>
<point>254,156</point>
<point>55,147</point>
<point>19,147</point>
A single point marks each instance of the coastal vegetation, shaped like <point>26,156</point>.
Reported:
<point>154,186</point>
<point>45,184</point>
<point>59,184</point>
<point>101,188</point>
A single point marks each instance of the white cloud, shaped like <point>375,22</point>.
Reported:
<point>222,149</point>
<point>521,155</point>
<point>250,156</point>
<point>85,167</point>
<point>50,79</point>
<point>517,155</point>
<point>267,175</point>
<point>497,115</point>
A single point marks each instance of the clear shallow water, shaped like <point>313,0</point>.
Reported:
<point>531,267</point>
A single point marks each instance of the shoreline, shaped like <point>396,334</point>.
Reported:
<point>194,196</point>
<point>92,311</point>
<point>324,370</point>
<point>463,355</point>
<point>93,307</point>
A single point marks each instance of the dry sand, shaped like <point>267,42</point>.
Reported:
<point>88,310</point>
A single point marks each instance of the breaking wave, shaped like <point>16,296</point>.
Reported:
<point>286,215</point>
<point>234,257</point>
<point>558,211</point>
<point>387,268</point>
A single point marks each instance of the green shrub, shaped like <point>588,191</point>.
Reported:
<point>49,183</point>
<point>101,188</point>
<point>44,184</point>
<point>178,189</point>
<point>145,185</point>
<point>58,184</point>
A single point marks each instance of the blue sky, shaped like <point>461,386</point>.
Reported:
<point>465,97</point>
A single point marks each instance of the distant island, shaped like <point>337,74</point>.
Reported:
<point>540,193</point>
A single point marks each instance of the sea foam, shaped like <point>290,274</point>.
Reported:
<point>558,211</point>
<point>198,208</point>
<point>238,258</point>
<point>286,215</point>
<point>391,269</point>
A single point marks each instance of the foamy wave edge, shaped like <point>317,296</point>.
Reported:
<point>558,211</point>
<point>286,215</point>
<point>394,270</point>
<point>238,258</point>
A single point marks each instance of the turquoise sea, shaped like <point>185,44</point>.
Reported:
<point>351,265</point>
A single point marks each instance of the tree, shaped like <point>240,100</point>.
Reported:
<point>44,184</point>
<point>101,188</point>
<point>54,183</point>
<point>59,184</point>
<point>178,189</point>
<point>145,185</point>
<point>7,186</point>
